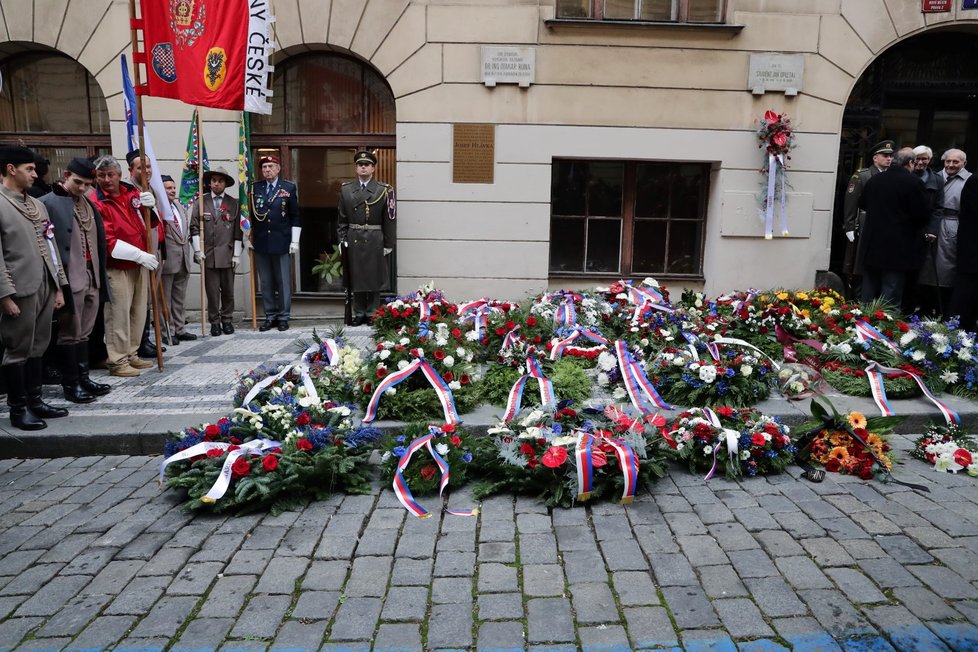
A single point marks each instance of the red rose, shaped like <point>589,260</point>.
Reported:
<point>368,388</point>
<point>407,312</point>
<point>269,463</point>
<point>240,468</point>
<point>448,376</point>
<point>527,449</point>
<point>963,457</point>
<point>395,312</point>
<point>215,452</point>
<point>758,439</point>
<point>439,354</point>
<point>532,462</point>
<point>903,327</point>
<point>212,431</point>
<point>456,332</point>
<point>833,465</point>
<point>381,372</point>
<point>531,321</point>
<point>538,339</point>
<point>866,474</point>
<point>303,444</point>
<point>448,427</point>
<point>464,379</point>
<point>725,411</point>
<point>233,448</point>
<point>554,457</point>
<point>456,440</point>
<point>303,419</point>
<point>510,325</point>
<point>428,470</point>
<point>236,441</point>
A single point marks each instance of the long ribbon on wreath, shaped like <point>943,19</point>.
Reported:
<point>547,397</point>
<point>728,436</point>
<point>866,332</point>
<point>787,341</point>
<point>875,372</point>
<point>566,315</point>
<point>640,389</point>
<point>774,164</point>
<point>584,456</point>
<point>301,368</point>
<point>401,489</point>
<point>748,299</point>
<point>220,487</point>
<point>478,313</point>
<point>510,339</point>
<point>442,390</point>
<point>641,294</point>
<point>559,344</point>
<point>738,342</point>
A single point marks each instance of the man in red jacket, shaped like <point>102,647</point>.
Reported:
<point>125,240</point>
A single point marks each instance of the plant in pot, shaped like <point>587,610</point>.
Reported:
<point>329,269</point>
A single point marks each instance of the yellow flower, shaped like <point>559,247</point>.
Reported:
<point>805,313</point>
<point>839,439</point>
<point>839,453</point>
<point>782,295</point>
<point>873,440</point>
<point>802,296</point>
<point>825,307</point>
<point>857,420</point>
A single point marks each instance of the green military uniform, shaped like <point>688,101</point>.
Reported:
<point>854,218</point>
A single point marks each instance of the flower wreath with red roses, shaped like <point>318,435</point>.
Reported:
<point>534,455</point>
<point>452,443</point>
<point>948,448</point>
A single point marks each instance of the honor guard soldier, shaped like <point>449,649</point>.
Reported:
<point>853,217</point>
<point>367,213</point>
<point>221,224</point>
<point>275,237</point>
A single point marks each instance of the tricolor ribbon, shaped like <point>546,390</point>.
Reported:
<point>547,398</point>
<point>728,436</point>
<point>220,487</point>
<point>637,384</point>
<point>641,294</point>
<point>401,489</point>
<point>442,390</point>
<point>510,339</point>
<point>627,461</point>
<point>866,332</point>
<point>875,373</point>
<point>775,164</point>
<point>737,342</point>
<point>566,315</point>
<point>478,313</point>
<point>301,368</point>
<point>559,344</point>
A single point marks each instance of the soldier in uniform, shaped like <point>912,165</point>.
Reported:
<point>367,211</point>
<point>275,237</point>
<point>30,289</point>
<point>80,235</point>
<point>222,247</point>
<point>853,217</point>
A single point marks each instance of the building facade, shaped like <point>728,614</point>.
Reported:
<point>629,150</point>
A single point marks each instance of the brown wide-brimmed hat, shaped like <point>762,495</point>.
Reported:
<point>221,172</point>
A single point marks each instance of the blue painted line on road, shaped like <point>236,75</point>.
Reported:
<point>867,644</point>
<point>762,645</point>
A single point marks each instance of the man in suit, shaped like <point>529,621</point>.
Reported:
<point>176,266</point>
<point>80,236</point>
<point>275,237</point>
<point>216,213</point>
<point>897,210</point>
<point>854,217</point>
<point>366,225</point>
<point>31,278</point>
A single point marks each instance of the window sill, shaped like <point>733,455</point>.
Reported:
<point>599,276</point>
<point>589,23</point>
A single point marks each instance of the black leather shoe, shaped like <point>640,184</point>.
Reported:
<point>148,351</point>
<point>215,329</point>
<point>186,337</point>
<point>283,325</point>
<point>170,340</point>
<point>266,325</point>
<point>359,320</point>
<point>228,328</point>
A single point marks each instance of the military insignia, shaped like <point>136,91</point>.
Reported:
<point>135,203</point>
<point>187,21</point>
<point>215,68</point>
<point>163,62</point>
<point>852,187</point>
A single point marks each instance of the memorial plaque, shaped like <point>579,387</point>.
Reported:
<point>473,153</point>
<point>508,65</point>
<point>969,4</point>
<point>776,72</point>
<point>936,6</point>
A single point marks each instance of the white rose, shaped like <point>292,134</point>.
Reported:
<point>746,370</point>
<point>342,410</point>
<point>402,364</point>
<point>441,449</point>
<point>391,391</point>
<point>449,361</point>
<point>404,341</point>
<point>454,385</point>
<point>644,341</point>
<point>708,373</point>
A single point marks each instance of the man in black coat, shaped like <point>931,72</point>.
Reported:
<point>892,244</point>
<point>964,293</point>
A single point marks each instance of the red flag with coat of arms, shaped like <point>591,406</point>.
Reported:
<point>211,53</point>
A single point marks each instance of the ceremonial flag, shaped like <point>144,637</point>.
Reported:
<point>244,172</point>
<point>190,177</point>
<point>132,140</point>
<point>208,52</point>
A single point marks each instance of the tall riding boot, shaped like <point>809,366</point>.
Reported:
<point>147,348</point>
<point>32,379</point>
<point>92,387</point>
<point>20,415</point>
<point>74,392</point>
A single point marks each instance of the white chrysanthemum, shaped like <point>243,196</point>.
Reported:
<point>949,377</point>
<point>402,365</point>
<point>707,450</point>
<point>745,455</point>
<point>918,355</point>
<point>964,354</point>
<point>908,337</point>
<point>384,354</point>
<point>441,340</point>
<point>603,379</point>
<point>708,373</point>
<point>746,370</point>
<point>644,341</point>
<point>619,393</point>
<point>965,340</point>
<point>472,336</point>
<point>678,361</point>
<point>606,361</point>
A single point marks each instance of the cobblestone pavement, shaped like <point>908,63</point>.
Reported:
<point>93,556</point>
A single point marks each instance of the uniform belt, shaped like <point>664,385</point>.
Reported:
<point>365,227</point>
<point>950,211</point>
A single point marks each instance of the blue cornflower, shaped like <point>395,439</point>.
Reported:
<point>467,457</point>
<point>398,451</point>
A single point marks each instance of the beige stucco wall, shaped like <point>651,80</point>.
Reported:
<point>655,93</point>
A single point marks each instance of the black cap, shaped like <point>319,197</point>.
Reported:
<point>15,155</point>
<point>41,164</point>
<point>132,156</point>
<point>166,177</point>
<point>82,167</point>
<point>364,155</point>
<point>884,147</point>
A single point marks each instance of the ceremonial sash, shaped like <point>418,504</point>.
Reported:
<point>442,390</point>
<point>401,489</point>
<point>627,461</point>
<point>301,368</point>
<point>478,313</point>
<point>566,315</point>
<point>637,384</point>
<point>641,294</point>
<point>220,487</point>
<point>547,398</point>
<point>748,345</point>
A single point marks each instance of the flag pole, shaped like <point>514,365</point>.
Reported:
<point>154,300</point>
<point>200,219</point>
<point>251,260</point>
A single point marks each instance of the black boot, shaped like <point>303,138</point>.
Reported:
<point>92,387</point>
<point>147,349</point>
<point>70,381</point>
<point>20,415</point>
<point>32,379</point>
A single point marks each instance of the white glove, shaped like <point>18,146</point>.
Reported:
<point>236,257</point>
<point>147,199</point>
<point>851,235</point>
<point>125,251</point>
<point>387,251</point>
<point>294,246</point>
<point>344,243</point>
<point>197,258</point>
<point>246,244</point>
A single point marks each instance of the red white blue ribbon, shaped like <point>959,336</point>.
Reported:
<point>875,373</point>
<point>220,486</point>
<point>637,384</point>
<point>584,457</point>
<point>865,332</point>
<point>641,294</point>
<point>559,345</point>
<point>510,339</point>
<point>478,313</point>
<point>401,489</point>
<point>547,398</point>
<point>442,390</point>
<point>566,315</point>
<point>301,368</point>
<point>727,436</point>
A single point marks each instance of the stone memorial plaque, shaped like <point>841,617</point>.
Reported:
<point>508,65</point>
<point>776,72</point>
<point>473,153</point>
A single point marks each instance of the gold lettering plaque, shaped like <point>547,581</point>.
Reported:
<point>473,153</point>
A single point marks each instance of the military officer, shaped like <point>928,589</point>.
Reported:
<point>854,218</point>
<point>367,211</point>
<point>222,247</point>
<point>275,237</point>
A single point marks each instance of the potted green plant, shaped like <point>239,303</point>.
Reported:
<point>329,269</point>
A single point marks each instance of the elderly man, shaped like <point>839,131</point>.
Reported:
<point>275,231</point>
<point>136,161</point>
<point>125,237</point>
<point>217,212</point>
<point>854,217</point>
<point>30,289</point>
<point>964,295</point>
<point>897,210</point>
<point>937,271</point>
<point>176,267</point>
<point>80,235</point>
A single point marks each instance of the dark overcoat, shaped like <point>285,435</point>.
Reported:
<point>897,210</point>
<point>968,227</point>
<point>366,223</point>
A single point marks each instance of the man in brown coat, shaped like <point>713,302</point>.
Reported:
<point>222,247</point>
